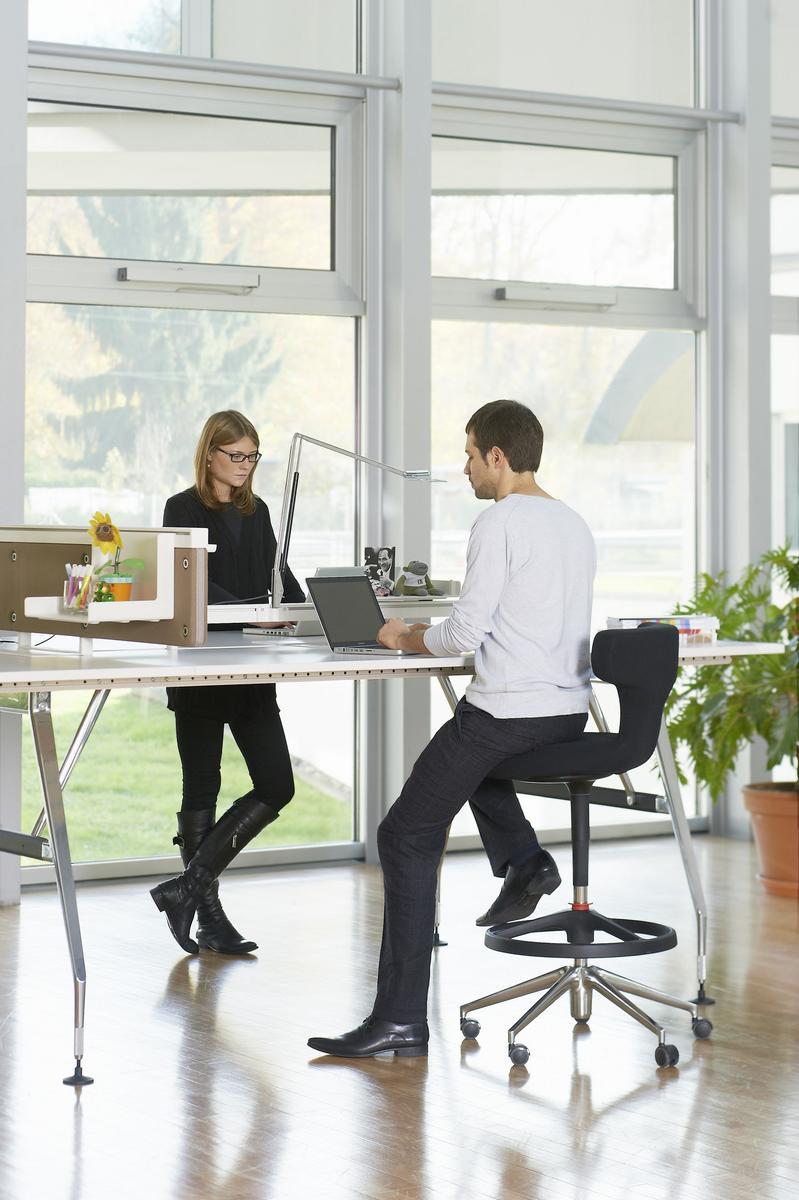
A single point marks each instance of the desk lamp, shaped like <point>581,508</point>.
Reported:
<point>290,497</point>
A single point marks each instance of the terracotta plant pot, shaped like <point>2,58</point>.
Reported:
<point>775,823</point>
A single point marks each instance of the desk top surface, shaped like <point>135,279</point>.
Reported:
<point>227,658</point>
<point>236,658</point>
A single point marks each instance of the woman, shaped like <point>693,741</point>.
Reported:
<point>222,501</point>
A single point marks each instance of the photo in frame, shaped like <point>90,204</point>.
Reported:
<point>379,563</point>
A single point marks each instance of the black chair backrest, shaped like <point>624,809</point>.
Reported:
<point>642,665</point>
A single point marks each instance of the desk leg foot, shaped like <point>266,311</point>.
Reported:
<point>702,997</point>
<point>78,1079</point>
<point>437,939</point>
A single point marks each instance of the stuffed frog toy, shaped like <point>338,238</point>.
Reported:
<point>415,581</point>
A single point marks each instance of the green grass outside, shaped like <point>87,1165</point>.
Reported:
<point>122,796</point>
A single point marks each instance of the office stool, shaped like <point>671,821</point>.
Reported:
<point>642,665</point>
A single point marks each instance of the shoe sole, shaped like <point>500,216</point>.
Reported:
<point>525,907</point>
<point>399,1051</point>
<point>237,951</point>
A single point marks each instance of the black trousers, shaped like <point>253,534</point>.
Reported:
<point>449,772</point>
<point>262,742</point>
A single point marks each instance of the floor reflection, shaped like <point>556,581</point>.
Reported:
<point>231,1127</point>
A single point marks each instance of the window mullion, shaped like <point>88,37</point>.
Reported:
<point>196,28</point>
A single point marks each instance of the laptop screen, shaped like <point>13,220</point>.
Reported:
<point>347,608</point>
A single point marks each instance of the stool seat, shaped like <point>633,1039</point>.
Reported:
<point>589,756</point>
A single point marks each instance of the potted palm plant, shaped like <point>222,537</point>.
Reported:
<point>715,711</point>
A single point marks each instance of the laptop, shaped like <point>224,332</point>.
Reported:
<point>349,614</point>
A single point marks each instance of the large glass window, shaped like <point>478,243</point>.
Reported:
<point>116,401</point>
<point>304,33</point>
<point>117,398</point>
<point>505,210</point>
<point>785,231</point>
<point>625,49</point>
<point>108,183</point>
<point>118,810</point>
<point>617,407</point>
<point>152,25</point>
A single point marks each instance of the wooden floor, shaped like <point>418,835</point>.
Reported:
<point>205,1087</point>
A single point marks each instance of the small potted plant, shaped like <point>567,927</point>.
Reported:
<point>113,578</point>
<point>715,711</point>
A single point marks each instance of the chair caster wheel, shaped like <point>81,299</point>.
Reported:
<point>667,1056</point>
<point>702,1027</point>
<point>469,1029</point>
<point>518,1054</point>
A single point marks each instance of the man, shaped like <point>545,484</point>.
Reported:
<point>525,610</point>
<point>384,567</point>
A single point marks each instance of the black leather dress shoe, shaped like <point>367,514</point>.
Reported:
<point>523,888</point>
<point>374,1037</point>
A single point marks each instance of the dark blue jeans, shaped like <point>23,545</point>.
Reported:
<point>449,772</point>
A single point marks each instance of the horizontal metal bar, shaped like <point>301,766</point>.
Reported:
<point>24,844</point>
<point>610,797</point>
<point>169,864</point>
<point>785,123</point>
<point>82,58</point>
<point>636,827</point>
<point>699,116</point>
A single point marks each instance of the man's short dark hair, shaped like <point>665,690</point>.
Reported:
<point>511,426</point>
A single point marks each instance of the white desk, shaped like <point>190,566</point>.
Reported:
<point>28,676</point>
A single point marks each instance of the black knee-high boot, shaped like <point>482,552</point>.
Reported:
<point>178,898</point>
<point>214,930</point>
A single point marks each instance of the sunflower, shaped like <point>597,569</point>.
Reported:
<point>104,533</point>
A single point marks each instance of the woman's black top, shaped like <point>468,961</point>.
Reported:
<point>239,569</point>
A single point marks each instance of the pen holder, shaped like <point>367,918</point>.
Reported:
<point>78,588</point>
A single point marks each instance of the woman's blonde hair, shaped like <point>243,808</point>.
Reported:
<point>221,429</point>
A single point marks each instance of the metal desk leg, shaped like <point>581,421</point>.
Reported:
<point>87,724</point>
<point>452,700</point>
<point>44,741</point>
<point>682,833</point>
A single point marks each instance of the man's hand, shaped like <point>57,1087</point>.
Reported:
<point>396,635</point>
<point>389,634</point>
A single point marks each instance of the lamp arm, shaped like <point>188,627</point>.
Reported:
<point>290,495</point>
<point>373,462</point>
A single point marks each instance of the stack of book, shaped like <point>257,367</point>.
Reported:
<point>694,629</point>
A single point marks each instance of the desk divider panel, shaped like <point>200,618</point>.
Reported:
<point>36,568</point>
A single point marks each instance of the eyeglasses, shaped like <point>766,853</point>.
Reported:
<point>237,457</point>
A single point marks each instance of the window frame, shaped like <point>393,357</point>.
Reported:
<point>339,291</point>
<point>678,308</point>
<point>785,309</point>
<point>336,292</point>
